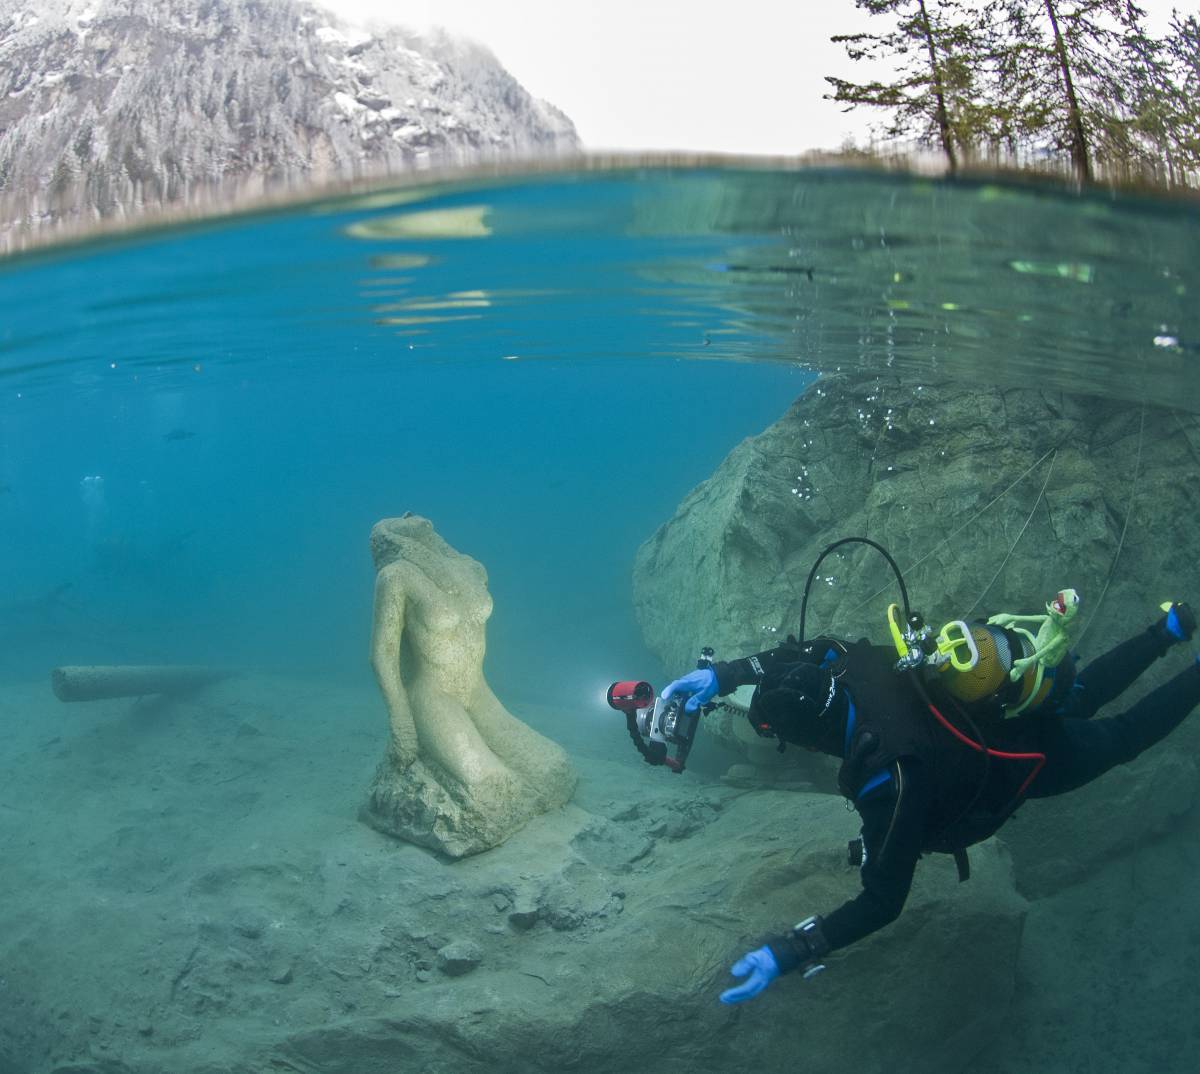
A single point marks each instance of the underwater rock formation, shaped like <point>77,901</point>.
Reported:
<point>990,500</point>
<point>461,773</point>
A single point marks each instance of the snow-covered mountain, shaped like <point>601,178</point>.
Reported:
<point>109,106</point>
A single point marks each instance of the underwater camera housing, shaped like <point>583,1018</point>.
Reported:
<point>656,725</point>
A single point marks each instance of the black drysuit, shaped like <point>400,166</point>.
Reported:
<point>917,788</point>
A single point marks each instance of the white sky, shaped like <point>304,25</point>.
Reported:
<point>738,76</point>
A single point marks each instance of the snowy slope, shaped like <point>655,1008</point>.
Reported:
<point>107,106</point>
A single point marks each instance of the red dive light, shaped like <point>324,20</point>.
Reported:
<point>630,696</point>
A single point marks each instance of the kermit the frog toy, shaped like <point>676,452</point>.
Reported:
<point>1053,637</point>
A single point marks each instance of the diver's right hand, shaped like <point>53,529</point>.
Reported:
<point>701,684</point>
<point>759,968</point>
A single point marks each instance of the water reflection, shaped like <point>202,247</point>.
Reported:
<point>999,284</point>
<point>832,269</point>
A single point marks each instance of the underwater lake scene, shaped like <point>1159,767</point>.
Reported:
<point>644,400</point>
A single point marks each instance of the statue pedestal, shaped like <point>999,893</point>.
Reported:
<point>416,805</point>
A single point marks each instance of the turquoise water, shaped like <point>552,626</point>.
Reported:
<point>199,430</point>
<point>199,427</point>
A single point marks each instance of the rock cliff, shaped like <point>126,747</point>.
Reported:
<point>110,106</point>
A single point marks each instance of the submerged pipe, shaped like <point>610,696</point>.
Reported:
<point>95,683</point>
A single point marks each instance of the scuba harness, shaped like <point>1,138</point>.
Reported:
<point>952,662</point>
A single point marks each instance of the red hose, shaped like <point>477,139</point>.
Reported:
<point>1038,759</point>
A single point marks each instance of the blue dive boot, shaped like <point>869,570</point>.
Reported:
<point>1179,624</point>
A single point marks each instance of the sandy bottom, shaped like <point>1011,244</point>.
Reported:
<point>184,882</point>
<point>189,879</point>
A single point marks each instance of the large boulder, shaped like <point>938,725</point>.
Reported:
<point>989,499</point>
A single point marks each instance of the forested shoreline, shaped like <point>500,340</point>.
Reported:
<point>1029,83</point>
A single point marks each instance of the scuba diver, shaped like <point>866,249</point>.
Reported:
<point>937,760</point>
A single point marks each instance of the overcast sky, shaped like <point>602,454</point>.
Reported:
<point>739,76</point>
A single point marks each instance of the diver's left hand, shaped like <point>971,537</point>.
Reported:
<point>759,968</point>
<point>701,684</point>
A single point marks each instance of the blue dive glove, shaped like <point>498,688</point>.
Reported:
<point>1180,622</point>
<point>762,969</point>
<point>701,684</point>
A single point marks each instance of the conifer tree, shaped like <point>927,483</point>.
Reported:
<point>1080,78</point>
<point>1183,59</point>
<point>1139,133</point>
<point>1064,71</point>
<point>937,45</point>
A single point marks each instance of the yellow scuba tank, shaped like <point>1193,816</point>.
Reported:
<point>988,676</point>
<point>972,662</point>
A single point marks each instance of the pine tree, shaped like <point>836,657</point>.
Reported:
<point>1139,134</point>
<point>939,45</point>
<point>1064,70</point>
<point>1182,49</point>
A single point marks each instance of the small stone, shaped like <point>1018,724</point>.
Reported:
<point>249,925</point>
<point>146,1030</point>
<point>459,957</point>
<point>682,827</point>
<point>281,974</point>
<point>742,775</point>
<point>566,918</point>
<point>524,916</point>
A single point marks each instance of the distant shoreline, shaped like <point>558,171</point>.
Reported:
<point>221,202</point>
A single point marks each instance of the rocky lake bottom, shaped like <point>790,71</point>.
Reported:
<point>187,888</point>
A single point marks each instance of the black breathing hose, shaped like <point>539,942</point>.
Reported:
<point>832,548</point>
<point>642,748</point>
<point>980,743</point>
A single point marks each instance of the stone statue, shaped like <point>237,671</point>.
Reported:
<point>461,773</point>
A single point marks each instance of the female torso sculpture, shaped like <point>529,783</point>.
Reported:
<point>427,649</point>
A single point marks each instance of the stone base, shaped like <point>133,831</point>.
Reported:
<point>426,806</point>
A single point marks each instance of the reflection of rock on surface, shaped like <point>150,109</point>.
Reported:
<point>461,773</point>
